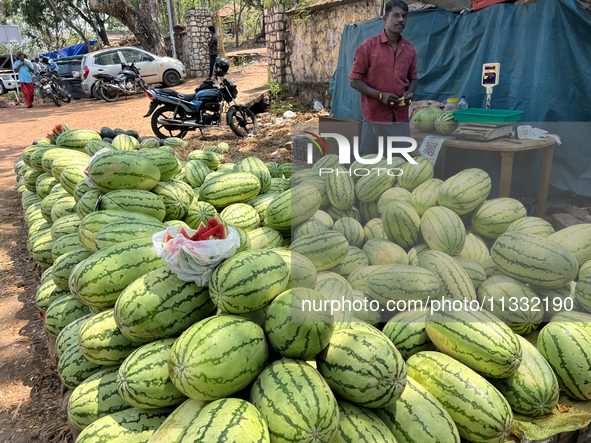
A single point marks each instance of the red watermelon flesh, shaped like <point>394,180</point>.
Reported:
<point>214,221</point>
<point>184,233</point>
<point>218,232</point>
<point>202,229</point>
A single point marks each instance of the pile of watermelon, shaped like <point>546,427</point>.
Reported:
<point>256,356</point>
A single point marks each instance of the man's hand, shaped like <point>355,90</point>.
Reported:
<point>389,99</point>
<point>408,96</point>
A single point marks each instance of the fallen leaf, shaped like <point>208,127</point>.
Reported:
<point>562,408</point>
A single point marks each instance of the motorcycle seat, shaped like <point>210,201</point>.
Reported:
<point>186,97</point>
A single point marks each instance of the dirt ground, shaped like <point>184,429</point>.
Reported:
<point>30,390</point>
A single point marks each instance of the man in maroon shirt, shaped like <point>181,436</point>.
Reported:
<point>385,73</point>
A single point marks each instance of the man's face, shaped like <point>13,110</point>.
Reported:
<point>21,57</point>
<point>395,21</point>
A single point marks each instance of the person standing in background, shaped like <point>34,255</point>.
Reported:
<point>36,66</point>
<point>213,51</point>
<point>51,66</point>
<point>24,69</point>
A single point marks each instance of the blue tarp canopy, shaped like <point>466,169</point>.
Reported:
<point>79,49</point>
<point>545,58</point>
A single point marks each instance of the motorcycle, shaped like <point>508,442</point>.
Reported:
<point>50,87</point>
<point>175,114</point>
<point>127,82</point>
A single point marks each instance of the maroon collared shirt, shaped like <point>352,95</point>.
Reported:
<point>375,65</point>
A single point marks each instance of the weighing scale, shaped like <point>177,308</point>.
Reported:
<point>486,124</point>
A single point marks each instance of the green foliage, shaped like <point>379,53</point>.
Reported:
<point>277,105</point>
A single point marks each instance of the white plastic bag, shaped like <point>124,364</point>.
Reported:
<point>194,260</point>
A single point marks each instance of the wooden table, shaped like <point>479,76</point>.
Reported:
<point>507,147</point>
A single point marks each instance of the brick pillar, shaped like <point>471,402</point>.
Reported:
<point>197,21</point>
<point>275,31</point>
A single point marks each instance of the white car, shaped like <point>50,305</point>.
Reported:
<point>7,82</point>
<point>153,69</point>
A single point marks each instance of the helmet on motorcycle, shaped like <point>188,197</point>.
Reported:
<point>221,67</point>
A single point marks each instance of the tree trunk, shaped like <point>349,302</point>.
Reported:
<point>173,15</point>
<point>102,32</point>
<point>72,25</point>
<point>143,22</point>
<point>236,24</point>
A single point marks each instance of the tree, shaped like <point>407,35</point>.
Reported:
<point>142,20</point>
<point>71,25</point>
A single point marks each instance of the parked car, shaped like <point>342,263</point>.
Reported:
<point>7,75</point>
<point>69,69</point>
<point>153,69</point>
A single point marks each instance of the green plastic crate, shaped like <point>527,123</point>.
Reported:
<point>478,115</point>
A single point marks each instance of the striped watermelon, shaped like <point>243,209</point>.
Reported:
<point>264,237</point>
<point>402,282</point>
<point>493,217</point>
<point>401,224</point>
<point>43,186</point>
<point>324,218</point>
<point>46,276</point>
<point>533,389</point>
<point>558,300</point>
<point>47,293</point>
<point>41,248</point>
<point>80,189</point>
<point>76,138</point>
<point>351,229</point>
<point>567,348</point>
<point>374,229</point>
<point>210,159</point>
<point>95,398</point>
<point>159,305</point>
<point>124,142</point>
<point>583,292</point>
<point>311,226</point>
<point>465,191</point>
<point>361,424</point>
<point>335,213</point>
<point>258,169</point>
<point>474,249</point>
<point>534,260</point>
<point>407,332</point>
<point>476,272</point>
<point>143,380</point>
<point>217,357</point>
<point>133,425</point>
<point>373,185</point>
<point>199,212</point>
<point>106,273</point>
<point>48,202</point>
<point>36,157</point>
<point>476,338</point>
<point>327,161</point>
<point>64,206</point>
<point>283,184</point>
<point>491,268</point>
<point>369,211</point>
<point>241,215</point>
<point>228,419</point>
<point>577,239</point>
<point>355,259</point>
<point>174,142</point>
<point>513,302</point>
<point>118,232</point>
<point>295,402</point>
<point>292,207</point>
<point>73,367</point>
<point>325,250</point>
<point>65,243</point>
<point>244,240</point>
<point>425,195</point>
<point>358,278</point>
<point>454,281</point>
<point>166,162</point>
<point>413,175</point>
<point>70,177</point>
<point>102,342</point>
<point>50,156</point>
<point>303,274</point>
<point>260,203</point>
<point>171,429</point>
<point>443,230</point>
<point>62,312</point>
<point>88,203</point>
<point>532,225</point>
<point>418,417</point>
<point>175,197</point>
<point>334,287</point>
<point>340,188</point>
<point>480,412</point>
<point>133,200</point>
<point>123,170</point>
<point>274,170</point>
<point>306,174</point>
<point>61,163</point>
<point>29,198</point>
<point>93,146</point>
<point>69,334</point>
<point>354,360</point>
<point>317,183</point>
<point>380,251</point>
<point>585,269</point>
<point>30,179</point>
<point>63,265</point>
<point>296,330</point>
<point>225,189</point>
<point>248,281</point>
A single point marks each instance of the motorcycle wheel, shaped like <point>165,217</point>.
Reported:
<point>109,96</point>
<point>164,131</point>
<point>96,91</point>
<point>55,99</point>
<point>242,121</point>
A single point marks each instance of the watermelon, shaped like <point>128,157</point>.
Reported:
<point>355,259</point>
<point>76,138</point>
<point>225,189</point>
<point>172,428</point>
<point>369,211</point>
<point>480,412</point>
<point>43,186</point>
<point>532,225</point>
<point>124,142</point>
<point>424,119</point>
<point>533,389</point>
<point>415,174</point>
<point>340,188</point>
<point>65,243</point>
<point>62,312</point>
<point>443,230</point>
<point>93,146</point>
<point>210,159</point>
<point>474,249</point>
<point>476,338</point>
<point>335,213</point>
<point>380,251</point>
<point>159,305</point>
<point>69,334</point>
<point>311,226</point>
<point>418,417</point>
<point>102,342</point>
<point>351,229</point>
<point>260,203</point>
<point>324,218</point>
<point>534,260</point>
<point>454,281</point>
<point>47,293</point>
<point>199,212</point>
<point>493,217</point>
<point>63,265</point>
<point>576,239</point>
<point>123,170</point>
<point>61,163</point>
<point>241,215</point>
<point>354,360</point>
<point>70,177</point>
<point>465,191</point>
<point>423,196</point>
<point>217,357</point>
<point>445,123</point>
<point>407,332</point>
<point>95,398</point>
<point>166,162</point>
<point>402,282</point>
<point>401,224</point>
<point>373,185</point>
<point>361,424</point>
<point>228,419</point>
<point>88,203</point>
<point>567,348</point>
<point>264,237</point>
<point>248,281</point>
<point>295,402</point>
<point>118,232</point>
<point>134,200</point>
<point>73,367</point>
<point>302,271</point>
<point>258,169</point>
<point>292,207</point>
<point>325,250</point>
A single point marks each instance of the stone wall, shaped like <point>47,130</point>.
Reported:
<point>197,20</point>
<point>181,44</point>
<point>275,35</point>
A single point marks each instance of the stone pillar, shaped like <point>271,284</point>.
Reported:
<point>197,21</point>
<point>276,36</point>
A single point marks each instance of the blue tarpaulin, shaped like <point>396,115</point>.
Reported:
<point>79,49</point>
<point>545,58</point>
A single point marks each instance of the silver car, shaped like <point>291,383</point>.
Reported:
<point>153,68</point>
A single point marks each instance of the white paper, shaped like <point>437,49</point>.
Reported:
<point>430,147</point>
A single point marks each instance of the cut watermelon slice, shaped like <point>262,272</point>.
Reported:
<point>214,221</point>
<point>184,233</point>
<point>167,238</point>
<point>219,232</point>
<point>202,229</point>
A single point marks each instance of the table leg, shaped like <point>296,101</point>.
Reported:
<point>545,178</point>
<point>443,159</point>
<point>506,169</point>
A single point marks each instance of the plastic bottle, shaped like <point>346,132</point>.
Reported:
<point>451,105</point>
<point>463,103</point>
